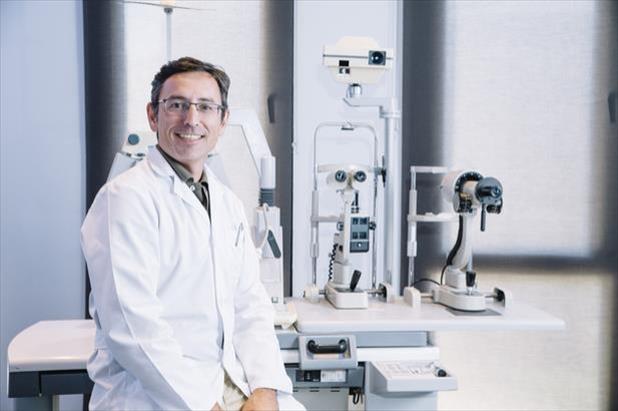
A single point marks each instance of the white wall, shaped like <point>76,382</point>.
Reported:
<point>42,183</point>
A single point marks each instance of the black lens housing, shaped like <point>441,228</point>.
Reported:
<point>377,57</point>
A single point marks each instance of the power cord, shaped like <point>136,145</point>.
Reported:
<point>442,274</point>
<point>431,280</point>
<point>331,261</point>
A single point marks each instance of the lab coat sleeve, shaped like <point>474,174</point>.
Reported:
<point>120,243</point>
<point>255,341</point>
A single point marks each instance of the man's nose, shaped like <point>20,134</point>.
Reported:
<point>192,116</point>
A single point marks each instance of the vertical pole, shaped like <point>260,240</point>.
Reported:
<point>392,195</point>
<point>168,33</point>
<point>105,94</point>
<point>412,212</point>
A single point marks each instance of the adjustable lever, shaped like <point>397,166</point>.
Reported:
<point>356,275</point>
<point>483,217</point>
<point>274,246</point>
<point>470,279</point>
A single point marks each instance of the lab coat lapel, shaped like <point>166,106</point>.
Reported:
<point>162,167</point>
<point>182,191</point>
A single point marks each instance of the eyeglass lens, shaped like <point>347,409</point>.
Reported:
<point>181,106</point>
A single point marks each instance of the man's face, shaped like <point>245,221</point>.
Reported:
<point>188,137</point>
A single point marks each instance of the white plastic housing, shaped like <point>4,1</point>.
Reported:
<point>268,172</point>
<point>355,52</point>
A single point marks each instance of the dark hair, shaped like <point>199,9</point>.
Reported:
<point>185,65</point>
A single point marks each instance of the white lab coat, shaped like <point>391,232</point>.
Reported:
<point>152,257</point>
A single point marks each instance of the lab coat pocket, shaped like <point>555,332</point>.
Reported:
<point>234,254</point>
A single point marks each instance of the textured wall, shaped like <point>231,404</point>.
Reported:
<point>519,90</point>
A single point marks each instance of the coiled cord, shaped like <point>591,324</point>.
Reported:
<point>331,261</point>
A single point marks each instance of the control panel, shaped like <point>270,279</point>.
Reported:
<point>359,233</point>
<point>409,377</point>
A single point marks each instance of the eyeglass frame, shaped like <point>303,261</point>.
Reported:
<point>220,107</point>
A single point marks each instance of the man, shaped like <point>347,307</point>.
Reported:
<point>182,320</point>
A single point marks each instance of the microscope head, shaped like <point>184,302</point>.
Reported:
<point>469,190</point>
<point>345,176</point>
<point>489,193</point>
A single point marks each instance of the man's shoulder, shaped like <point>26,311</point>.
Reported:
<point>140,181</point>
<point>139,176</point>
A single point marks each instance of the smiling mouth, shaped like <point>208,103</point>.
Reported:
<point>188,136</point>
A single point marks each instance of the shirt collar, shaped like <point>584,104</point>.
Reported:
<point>180,170</point>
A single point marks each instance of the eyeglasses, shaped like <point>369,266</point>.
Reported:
<point>180,106</point>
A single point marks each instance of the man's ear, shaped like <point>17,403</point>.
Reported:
<point>152,117</point>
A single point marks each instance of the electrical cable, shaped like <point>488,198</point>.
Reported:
<point>331,261</point>
<point>451,254</point>
<point>454,250</point>
<point>442,274</point>
<point>431,280</point>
